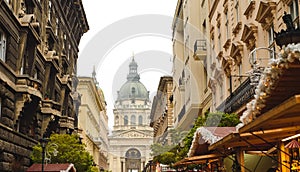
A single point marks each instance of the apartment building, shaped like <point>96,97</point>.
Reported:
<point>93,120</point>
<point>236,29</point>
<point>253,64</point>
<point>190,71</point>
<point>38,52</point>
<point>161,115</point>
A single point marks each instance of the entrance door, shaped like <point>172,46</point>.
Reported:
<point>133,160</point>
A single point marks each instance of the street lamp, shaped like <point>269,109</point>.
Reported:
<point>43,142</point>
<point>46,154</point>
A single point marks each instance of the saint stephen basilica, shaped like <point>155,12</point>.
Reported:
<point>131,136</point>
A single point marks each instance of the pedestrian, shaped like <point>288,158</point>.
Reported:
<point>158,168</point>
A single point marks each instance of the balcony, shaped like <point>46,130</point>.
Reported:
<point>51,107</point>
<point>27,84</point>
<point>98,140</point>
<point>66,122</point>
<point>200,49</point>
<point>238,98</point>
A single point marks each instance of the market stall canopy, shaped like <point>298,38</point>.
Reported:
<point>198,159</point>
<point>204,136</point>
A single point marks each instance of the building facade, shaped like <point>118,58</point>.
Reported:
<point>252,59</point>
<point>93,121</point>
<point>242,46</point>
<point>38,52</point>
<point>190,78</point>
<point>131,136</point>
<point>161,115</point>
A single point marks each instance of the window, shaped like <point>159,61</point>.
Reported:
<point>227,25</point>
<point>22,67</point>
<point>240,69</point>
<point>36,74</point>
<point>2,45</point>
<point>125,120</point>
<point>294,9</point>
<point>56,26</point>
<point>270,35</point>
<point>271,41</point>
<point>237,11</point>
<point>133,91</point>
<point>221,91</point>
<point>50,11</point>
<point>219,41</point>
<point>132,120</point>
<point>204,28</point>
<point>240,72</point>
<point>117,120</point>
<point>140,120</point>
<point>205,79</point>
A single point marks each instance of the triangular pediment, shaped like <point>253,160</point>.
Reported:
<point>249,35</point>
<point>265,11</point>
<point>132,134</point>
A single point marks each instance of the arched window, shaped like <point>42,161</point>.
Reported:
<point>132,120</point>
<point>132,90</point>
<point>117,120</point>
<point>125,120</point>
<point>133,153</point>
<point>140,120</point>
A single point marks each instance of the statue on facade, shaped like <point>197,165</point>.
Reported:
<point>287,19</point>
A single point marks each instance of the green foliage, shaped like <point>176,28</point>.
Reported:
<point>94,169</point>
<point>167,158</point>
<point>213,119</point>
<point>229,120</point>
<point>177,136</point>
<point>70,150</point>
<point>221,119</point>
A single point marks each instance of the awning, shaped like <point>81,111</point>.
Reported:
<point>201,159</point>
<point>205,136</point>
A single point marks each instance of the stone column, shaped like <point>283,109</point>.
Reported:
<point>142,165</point>
<point>122,166</point>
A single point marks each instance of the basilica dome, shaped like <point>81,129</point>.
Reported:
<point>133,88</point>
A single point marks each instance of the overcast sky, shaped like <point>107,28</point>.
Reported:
<point>120,28</point>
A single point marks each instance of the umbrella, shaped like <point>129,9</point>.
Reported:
<point>292,144</point>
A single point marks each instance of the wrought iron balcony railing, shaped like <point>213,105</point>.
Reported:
<point>200,49</point>
<point>238,98</point>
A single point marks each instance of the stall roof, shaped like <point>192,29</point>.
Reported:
<point>52,168</point>
<point>198,159</point>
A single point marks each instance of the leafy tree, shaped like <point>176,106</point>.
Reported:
<point>221,119</point>
<point>70,150</point>
<point>229,120</point>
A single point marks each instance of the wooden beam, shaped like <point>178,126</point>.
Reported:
<point>201,157</point>
<point>275,131</point>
